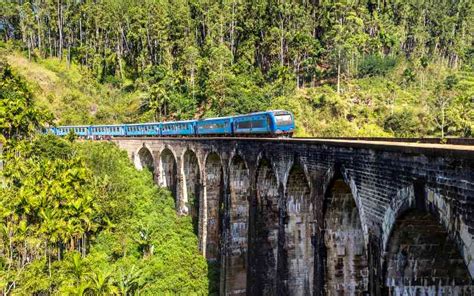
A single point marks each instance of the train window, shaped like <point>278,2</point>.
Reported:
<point>283,119</point>
<point>215,125</point>
<point>244,124</point>
<point>258,124</point>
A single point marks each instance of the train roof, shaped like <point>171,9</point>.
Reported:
<point>69,126</point>
<point>263,112</point>
<point>215,118</point>
<point>143,123</point>
<point>181,121</point>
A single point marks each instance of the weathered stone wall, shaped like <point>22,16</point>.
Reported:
<point>213,196</point>
<point>346,268</point>
<point>236,263</point>
<point>422,261</point>
<point>266,232</point>
<point>191,176</point>
<point>168,171</point>
<point>298,217</point>
<point>299,231</point>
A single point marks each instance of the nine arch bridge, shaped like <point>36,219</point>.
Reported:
<point>314,217</point>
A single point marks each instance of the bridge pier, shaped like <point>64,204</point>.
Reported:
<point>292,217</point>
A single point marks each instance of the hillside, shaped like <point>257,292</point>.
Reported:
<point>382,105</point>
<point>71,94</point>
<point>391,68</point>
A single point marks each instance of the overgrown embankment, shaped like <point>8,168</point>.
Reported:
<point>78,218</point>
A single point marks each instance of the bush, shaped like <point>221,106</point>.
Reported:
<point>375,65</point>
<point>403,123</point>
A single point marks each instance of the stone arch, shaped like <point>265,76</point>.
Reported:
<point>267,218</point>
<point>168,171</point>
<point>239,181</point>
<point>192,187</point>
<point>299,233</point>
<point>346,263</point>
<point>214,202</point>
<point>144,159</point>
<point>420,256</point>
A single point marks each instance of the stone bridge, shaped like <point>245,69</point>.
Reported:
<point>323,217</point>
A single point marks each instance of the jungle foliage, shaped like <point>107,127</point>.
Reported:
<point>345,67</point>
<point>79,219</point>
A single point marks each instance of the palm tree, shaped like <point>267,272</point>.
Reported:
<point>130,282</point>
<point>101,283</point>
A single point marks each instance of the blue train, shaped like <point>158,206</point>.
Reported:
<point>276,123</point>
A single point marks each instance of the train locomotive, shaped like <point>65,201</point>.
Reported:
<point>275,123</point>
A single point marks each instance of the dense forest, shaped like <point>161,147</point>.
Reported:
<point>79,219</point>
<point>344,67</point>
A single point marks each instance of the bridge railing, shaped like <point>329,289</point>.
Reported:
<point>451,141</point>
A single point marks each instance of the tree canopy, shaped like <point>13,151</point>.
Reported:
<point>191,59</point>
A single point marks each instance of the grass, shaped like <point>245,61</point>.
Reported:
<point>71,93</point>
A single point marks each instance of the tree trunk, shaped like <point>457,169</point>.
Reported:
<point>339,71</point>
<point>60,30</point>
<point>39,33</point>
<point>119,59</point>
<point>232,31</point>
<point>442,122</point>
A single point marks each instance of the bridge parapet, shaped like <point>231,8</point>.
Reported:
<point>300,216</point>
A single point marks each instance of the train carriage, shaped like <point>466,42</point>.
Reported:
<point>178,128</point>
<point>283,123</point>
<point>272,123</point>
<point>214,126</point>
<point>106,130</point>
<point>81,131</point>
<point>143,129</point>
<point>257,123</point>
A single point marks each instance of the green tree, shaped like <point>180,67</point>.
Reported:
<point>19,117</point>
